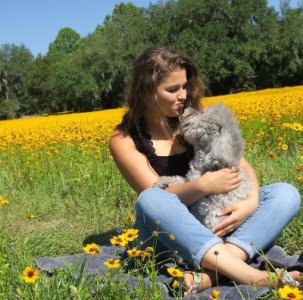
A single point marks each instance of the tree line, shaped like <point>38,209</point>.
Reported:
<point>238,46</point>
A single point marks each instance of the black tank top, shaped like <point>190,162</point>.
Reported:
<point>170,165</point>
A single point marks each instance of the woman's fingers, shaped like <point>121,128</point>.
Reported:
<point>235,180</point>
<point>225,230</point>
<point>227,225</point>
<point>221,181</point>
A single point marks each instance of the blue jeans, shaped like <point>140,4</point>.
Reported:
<point>160,211</point>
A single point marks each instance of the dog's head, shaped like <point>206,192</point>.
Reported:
<point>214,131</point>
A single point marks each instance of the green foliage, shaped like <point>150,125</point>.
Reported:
<point>291,44</point>
<point>65,43</point>
<point>39,94</point>
<point>238,45</point>
<point>77,195</point>
<point>15,61</point>
<point>114,47</point>
<point>76,88</point>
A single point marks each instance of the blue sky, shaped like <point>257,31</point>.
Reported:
<point>36,23</point>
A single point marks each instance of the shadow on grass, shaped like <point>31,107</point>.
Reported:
<point>102,238</point>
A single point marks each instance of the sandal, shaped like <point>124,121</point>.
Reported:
<point>287,279</point>
<point>196,286</point>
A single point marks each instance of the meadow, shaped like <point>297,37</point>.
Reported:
<point>60,190</point>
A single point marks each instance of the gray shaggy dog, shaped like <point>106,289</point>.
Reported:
<point>216,138</point>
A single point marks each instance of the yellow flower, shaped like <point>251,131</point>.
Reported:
<point>175,272</point>
<point>284,147</point>
<point>145,254</point>
<point>297,126</point>
<point>271,155</point>
<point>175,284</point>
<point>301,157</point>
<point>30,275</point>
<point>112,263</point>
<point>279,139</point>
<point>215,295</point>
<point>119,240</point>
<point>92,248</point>
<point>3,201</point>
<point>290,293</point>
<point>134,252</point>
<point>130,218</point>
<point>131,234</point>
<point>90,130</point>
<point>300,178</point>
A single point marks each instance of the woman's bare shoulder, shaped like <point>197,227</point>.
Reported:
<point>120,138</point>
<point>133,165</point>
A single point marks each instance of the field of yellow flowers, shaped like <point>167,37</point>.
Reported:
<point>94,128</point>
<point>60,190</point>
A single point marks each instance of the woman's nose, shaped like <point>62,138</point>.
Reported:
<point>182,94</point>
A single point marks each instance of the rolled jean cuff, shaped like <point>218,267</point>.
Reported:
<point>244,246</point>
<point>204,249</point>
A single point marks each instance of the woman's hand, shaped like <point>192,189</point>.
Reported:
<point>238,213</point>
<point>220,182</point>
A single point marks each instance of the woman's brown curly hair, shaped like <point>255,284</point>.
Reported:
<point>149,71</point>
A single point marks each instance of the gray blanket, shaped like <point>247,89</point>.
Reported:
<point>92,265</point>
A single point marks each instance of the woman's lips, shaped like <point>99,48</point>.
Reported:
<point>180,106</point>
<point>180,109</point>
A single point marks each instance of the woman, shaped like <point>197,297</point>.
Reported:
<point>147,145</point>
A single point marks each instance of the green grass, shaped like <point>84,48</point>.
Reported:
<point>79,197</point>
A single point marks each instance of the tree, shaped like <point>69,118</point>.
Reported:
<point>238,45</point>
<point>290,67</point>
<point>14,63</point>
<point>39,93</point>
<point>66,42</point>
<point>110,51</point>
<point>73,88</point>
<point>161,18</point>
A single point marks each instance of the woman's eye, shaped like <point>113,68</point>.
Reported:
<point>173,90</point>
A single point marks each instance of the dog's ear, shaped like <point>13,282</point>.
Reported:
<point>226,148</point>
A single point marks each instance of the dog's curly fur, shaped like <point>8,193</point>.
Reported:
<point>217,142</point>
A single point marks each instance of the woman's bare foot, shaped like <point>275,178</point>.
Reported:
<point>196,282</point>
<point>293,278</point>
<point>281,277</point>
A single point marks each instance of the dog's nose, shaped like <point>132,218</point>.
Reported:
<point>186,113</point>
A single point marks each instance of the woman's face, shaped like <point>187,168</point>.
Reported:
<point>171,93</point>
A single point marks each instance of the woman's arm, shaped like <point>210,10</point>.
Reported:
<point>138,173</point>
<point>240,211</point>
<point>133,165</point>
<point>254,194</point>
<point>217,182</point>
